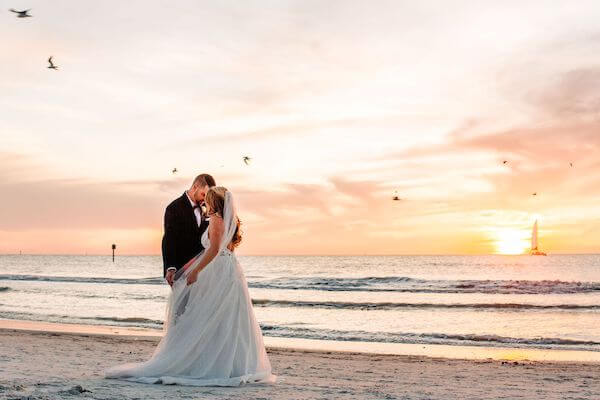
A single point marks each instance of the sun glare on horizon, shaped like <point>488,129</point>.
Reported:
<point>510,241</point>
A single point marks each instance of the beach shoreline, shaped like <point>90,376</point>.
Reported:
<point>54,364</point>
<point>328,346</point>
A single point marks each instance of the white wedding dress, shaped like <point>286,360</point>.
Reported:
<point>211,337</point>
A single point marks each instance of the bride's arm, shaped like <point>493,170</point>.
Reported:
<point>215,232</point>
<point>187,265</point>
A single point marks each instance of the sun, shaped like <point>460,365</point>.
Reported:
<point>510,241</point>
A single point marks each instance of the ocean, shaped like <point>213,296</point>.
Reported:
<point>548,302</point>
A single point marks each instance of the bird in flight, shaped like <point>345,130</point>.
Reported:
<point>174,170</point>
<point>247,160</point>
<point>571,164</point>
<point>534,194</point>
<point>22,14</point>
<point>396,198</point>
<point>51,64</point>
<point>504,162</point>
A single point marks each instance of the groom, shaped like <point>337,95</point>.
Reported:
<point>184,226</point>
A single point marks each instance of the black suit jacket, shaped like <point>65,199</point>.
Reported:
<point>181,241</point>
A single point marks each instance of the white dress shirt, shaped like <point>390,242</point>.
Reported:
<point>197,211</point>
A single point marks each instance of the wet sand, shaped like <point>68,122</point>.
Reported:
<point>65,365</point>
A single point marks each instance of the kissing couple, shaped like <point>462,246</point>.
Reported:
<point>210,336</point>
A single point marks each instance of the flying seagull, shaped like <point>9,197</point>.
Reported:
<point>396,198</point>
<point>504,162</point>
<point>534,194</point>
<point>571,164</point>
<point>247,160</point>
<point>21,14</point>
<point>51,64</point>
<point>174,170</point>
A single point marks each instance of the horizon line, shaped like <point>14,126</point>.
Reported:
<point>302,255</point>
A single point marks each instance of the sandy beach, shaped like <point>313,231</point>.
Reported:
<point>63,365</point>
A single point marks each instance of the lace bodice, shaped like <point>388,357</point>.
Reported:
<point>206,243</point>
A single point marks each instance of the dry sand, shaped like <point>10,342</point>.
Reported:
<point>43,365</point>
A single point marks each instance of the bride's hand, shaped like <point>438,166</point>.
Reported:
<point>192,277</point>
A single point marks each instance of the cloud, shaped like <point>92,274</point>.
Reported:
<point>32,200</point>
<point>339,105</point>
<point>575,94</point>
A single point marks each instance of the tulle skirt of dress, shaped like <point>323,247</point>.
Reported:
<point>211,337</point>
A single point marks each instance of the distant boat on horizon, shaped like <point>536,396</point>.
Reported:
<point>534,241</point>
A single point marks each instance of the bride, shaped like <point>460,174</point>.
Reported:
<point>211,337</point>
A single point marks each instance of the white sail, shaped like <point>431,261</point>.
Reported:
<point>534,237</point>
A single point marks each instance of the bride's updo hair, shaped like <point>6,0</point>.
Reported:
<point>215,200</point>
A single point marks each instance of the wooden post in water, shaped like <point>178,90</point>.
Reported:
<point>114,246</point>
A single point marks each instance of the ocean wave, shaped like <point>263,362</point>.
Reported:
<point>412,285</point>
<point>395,306</point>
<point>299,331</point>
<point>84,279</point>
<point>367,284</point>
<point>119,321</point>
<point>130,320</point>
<point>431,338</point>
<point>83,294</point>
<point>339,305</point>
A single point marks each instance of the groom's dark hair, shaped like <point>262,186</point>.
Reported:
<point>204,180</point>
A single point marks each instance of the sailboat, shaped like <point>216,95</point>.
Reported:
<point>534,241</point>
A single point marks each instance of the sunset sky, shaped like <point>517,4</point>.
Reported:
<point>339,103</point>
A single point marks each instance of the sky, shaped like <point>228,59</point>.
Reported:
<point>340,104</point>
